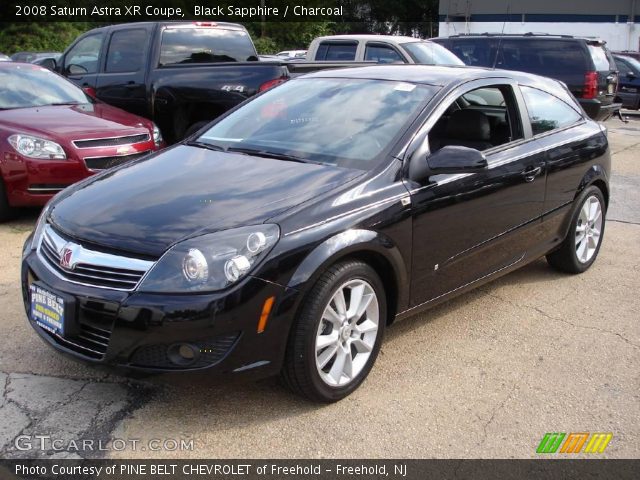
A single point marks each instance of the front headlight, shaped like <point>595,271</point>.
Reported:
<point>42,221</point>
<point>211,262</point>
<point>35,147</point>
<point>157,136</point>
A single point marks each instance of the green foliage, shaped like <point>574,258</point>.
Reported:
<point>286,35</point>
<point>266,46</point>
<point>50,37</point>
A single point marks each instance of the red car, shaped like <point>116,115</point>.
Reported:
<point>52,135</point>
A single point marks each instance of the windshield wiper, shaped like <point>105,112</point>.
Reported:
<point>208,146</point>
<point>57,104</point>
<point>268,154</point>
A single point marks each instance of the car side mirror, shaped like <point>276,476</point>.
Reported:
<point>631,75</point>
<point>449,159</point>
<point>49,63</point>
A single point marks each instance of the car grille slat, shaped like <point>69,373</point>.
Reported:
<point>103,163</point>
<point>112,142</point>
<point>93,268</point>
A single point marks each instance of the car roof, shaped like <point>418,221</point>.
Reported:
<point>371,37</point>
<point>438,75</point>
<point>537,36</point>
<point>174,23</point>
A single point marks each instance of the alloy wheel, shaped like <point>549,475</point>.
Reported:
<point>347,333</point>
<point>588,229</point>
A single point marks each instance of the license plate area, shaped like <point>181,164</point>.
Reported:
<point>50,310</point>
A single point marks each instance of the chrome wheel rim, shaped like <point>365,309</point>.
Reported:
<point>588,229</point>
<point>347,333</point>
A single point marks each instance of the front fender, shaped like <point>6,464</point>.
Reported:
<point>361,243</point>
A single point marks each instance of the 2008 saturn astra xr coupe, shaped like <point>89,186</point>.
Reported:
<point>286,236</point>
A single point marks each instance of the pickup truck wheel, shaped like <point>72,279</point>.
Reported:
<point>580,248</point>
<point>194,128</point>
<point>338,333</point>
<point>6,211</point>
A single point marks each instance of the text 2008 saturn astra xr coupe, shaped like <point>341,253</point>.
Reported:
<point>289,234</point>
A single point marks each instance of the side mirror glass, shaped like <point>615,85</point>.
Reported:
<point>450,159</point>
<point>631,75</point>
<point>49,63</point>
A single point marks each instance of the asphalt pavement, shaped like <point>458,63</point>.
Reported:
<point>485,375</point>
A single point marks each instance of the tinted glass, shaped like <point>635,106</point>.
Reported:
<point>337,51</point>
<point>83,57</point>
<point>545,57</point>
<point>429,53</point>
<point>126,50</point>
<point>299,118</point>
<point>381,54</point>
<point>547,112</point>
<point>31,86</point>
<point>473,52</point>
<point>197,45</point>
<point>632,63</point>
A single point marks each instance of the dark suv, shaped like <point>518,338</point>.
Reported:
<point>583,64</point>
<point>629,91</point>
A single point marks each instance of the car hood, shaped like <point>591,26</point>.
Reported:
<point>146,206</point>
<point>72,122</point>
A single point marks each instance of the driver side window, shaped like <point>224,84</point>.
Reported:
<point>83,57</point>
<point>483,118</point>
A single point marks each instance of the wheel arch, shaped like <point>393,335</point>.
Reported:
<point>371,247</point>
<point>597,176</point>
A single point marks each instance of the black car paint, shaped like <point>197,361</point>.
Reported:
<point>429,241</point>
<point>175,96</point>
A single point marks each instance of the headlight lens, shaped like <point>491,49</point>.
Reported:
<point>37,233</point>
<point>157,136</point>
<point>35,147</point>
<point>211,262</point>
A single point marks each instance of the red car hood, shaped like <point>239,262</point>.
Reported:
<point>73,122</point>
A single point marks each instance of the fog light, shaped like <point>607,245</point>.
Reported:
<point>183,354</point>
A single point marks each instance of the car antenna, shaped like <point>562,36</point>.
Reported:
<point>504,24</point>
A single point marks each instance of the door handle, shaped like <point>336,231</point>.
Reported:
<point>130,85</point>
<point>530,174</point>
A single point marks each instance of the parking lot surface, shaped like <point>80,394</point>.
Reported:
<point>484,375</point>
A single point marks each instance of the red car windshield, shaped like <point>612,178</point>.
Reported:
<point>24,86</point>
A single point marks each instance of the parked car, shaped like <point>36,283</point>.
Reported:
<point>584,64</point>
<point>32,57</point>
<point>53,135</point>
<point>47,62</point>
<point>286,54</point>
<point>380,49</point>
<point>289,234</point>
<point>628,53</point>
<point>629,89</point>
<point>179,74</point>
<point>4,58</point>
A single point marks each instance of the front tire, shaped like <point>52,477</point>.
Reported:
<point>337,336</point>
<point>580,248</point>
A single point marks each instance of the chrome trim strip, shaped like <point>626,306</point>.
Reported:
<point>91,258</point>
<point>42,189</point>
<point>148,138</point>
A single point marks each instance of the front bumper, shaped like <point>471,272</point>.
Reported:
<point>137,332</point>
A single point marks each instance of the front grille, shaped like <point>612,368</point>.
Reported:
<point>102,163</point>
<point>112,142</point>
<point>212,350</point>
<point>90,267</point>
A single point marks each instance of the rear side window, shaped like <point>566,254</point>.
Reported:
<point>600,58</point>
<point>547,112</point>
<point>337,51</point>
<point>478,52</point>
<point>381,54</point>
<point>545,57</point>
<point>205,45</point>
<point>126,50</point>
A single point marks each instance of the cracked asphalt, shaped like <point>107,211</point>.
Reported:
<point>485,375</point>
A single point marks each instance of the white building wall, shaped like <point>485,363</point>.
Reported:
<point>619,36</point>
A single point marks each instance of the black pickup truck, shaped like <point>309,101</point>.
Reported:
<point>179,74</point>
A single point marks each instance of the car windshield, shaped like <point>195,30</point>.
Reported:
<point>24,86</point>
<point>337,121</point>
<point>429,53</point>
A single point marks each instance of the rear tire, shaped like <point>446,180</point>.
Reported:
<point>580,248</point>
<point>337,335</point>
<point>6,211</point>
